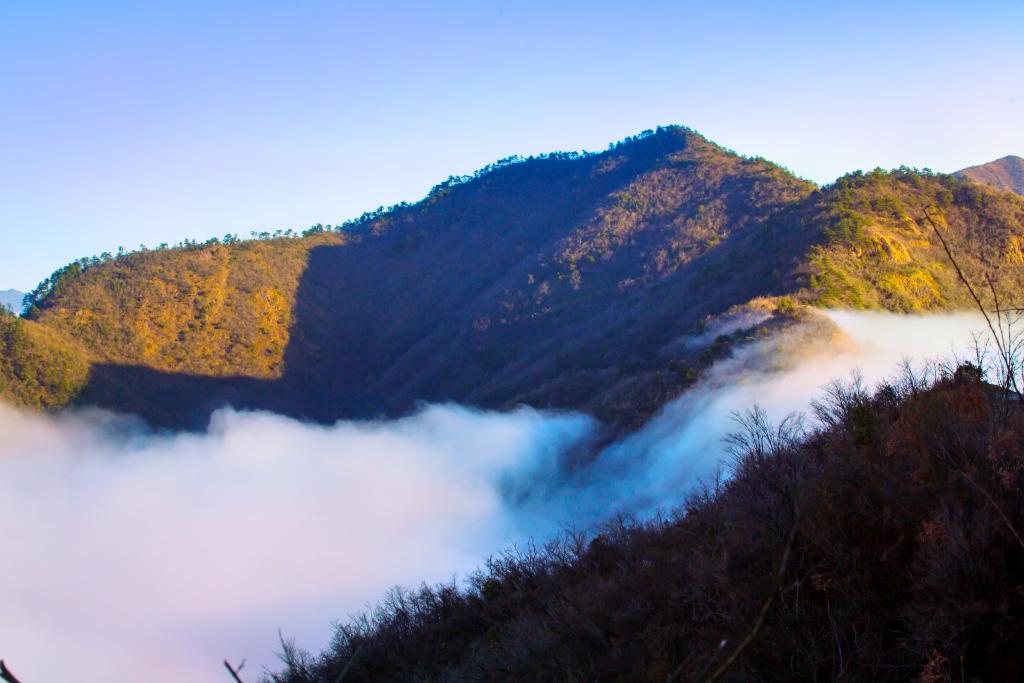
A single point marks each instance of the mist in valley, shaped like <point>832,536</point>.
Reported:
<point>126,552</point>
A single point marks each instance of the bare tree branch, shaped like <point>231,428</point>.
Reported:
<point>960,274</point>
<point>233,671</point>
<point>6,674</point>
<point>765,608</point>
<point>995,506</point>
<point>1003,346</point>
<point>779,578</point>
<point>348,665</point>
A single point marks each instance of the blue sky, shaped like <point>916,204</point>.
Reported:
<point>124,123</point>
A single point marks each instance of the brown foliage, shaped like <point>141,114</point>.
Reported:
<point>1003,174</point>
<point>904,565</point>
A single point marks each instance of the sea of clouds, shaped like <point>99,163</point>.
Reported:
<point>126,556</point>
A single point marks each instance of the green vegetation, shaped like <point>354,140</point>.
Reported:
<point>879,252</point>
<point>39,367</point>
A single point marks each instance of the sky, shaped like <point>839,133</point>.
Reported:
<point>127,123</point>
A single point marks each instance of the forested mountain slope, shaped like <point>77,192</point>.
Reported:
<point>574,281</point>
<point>213,309</point>
<point>877,250</point>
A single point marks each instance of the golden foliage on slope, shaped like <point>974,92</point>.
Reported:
<point>879,250</point>
<point>210,310</point>
<point>40,368</point>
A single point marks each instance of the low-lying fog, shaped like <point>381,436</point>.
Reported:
<point>122,555</point>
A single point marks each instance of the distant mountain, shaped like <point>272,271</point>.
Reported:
<point>1003,174</point>
<point>604,283</point>
<point>12,299</point>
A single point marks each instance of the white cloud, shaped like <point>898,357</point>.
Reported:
<point>122,554</point>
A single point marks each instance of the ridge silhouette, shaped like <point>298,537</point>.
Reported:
<point>513,287</point>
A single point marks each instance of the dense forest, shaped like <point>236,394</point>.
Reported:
<point>579,281</point>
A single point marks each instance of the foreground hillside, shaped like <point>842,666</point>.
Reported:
<point>884,547</point>
<point>603,283</point>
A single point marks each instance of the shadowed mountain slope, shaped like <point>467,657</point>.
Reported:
<point>1003,174</point>
<point>567,281</point>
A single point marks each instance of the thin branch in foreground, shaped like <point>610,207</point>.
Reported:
<point>995,505</point>
<point>6,674</point>
<point>765,608</point>
<point>961,276</point>
<point>779,578</point>
<point>348,665</point>
<point>233,671</point>
<point>1005,353</point>
<point>1007,336</point>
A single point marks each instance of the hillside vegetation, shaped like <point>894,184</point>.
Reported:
<point>879,251</point>
<point>212,309</point>
<point>882,547</point>
<point>581,281</point>
<point>39,367</point>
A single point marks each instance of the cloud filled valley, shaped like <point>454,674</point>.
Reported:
<point>126,552</point>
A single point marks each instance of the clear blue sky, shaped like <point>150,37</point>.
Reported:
<point>142,122</point>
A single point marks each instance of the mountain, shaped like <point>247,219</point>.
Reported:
<point>12,299</point>
<point>604,283</point>
<point>1003,174</point>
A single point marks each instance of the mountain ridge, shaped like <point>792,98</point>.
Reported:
<point>567,281</point>
<point>1006,173</point>
<point>12,299</point>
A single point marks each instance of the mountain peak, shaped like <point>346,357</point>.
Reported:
<point>564,281</point>
<point>11,298</point>
<point>1006,173</point>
